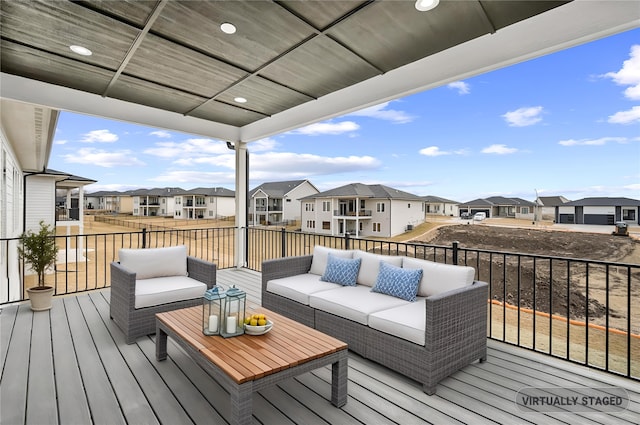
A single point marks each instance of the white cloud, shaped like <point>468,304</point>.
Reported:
<point>499,149</point>
<point>524,116</point>
<point>332,128</point>
<point>161,133</point>
<point>433,151</point>
<point>206,178</point>
<point>188,148</point>
<point>380,112</point>
<point>227,161</point>
<point>593,142</point>
<point>460,86</point>
<point>629,74</point>
<point>626,117</point>
<point>100,136</point>
<point>294,165</point>
<point>60,142</point>
<point>102,158</point>
<point>262,145</point>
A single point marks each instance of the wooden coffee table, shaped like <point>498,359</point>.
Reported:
<point>245,364</point>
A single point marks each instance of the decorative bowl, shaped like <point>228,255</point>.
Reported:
<point>258,330</point>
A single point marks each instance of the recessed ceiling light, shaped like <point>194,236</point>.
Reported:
<point>81,50</point>
<point>424,5</point>
<point>228,28</point>
<point>240,100</point>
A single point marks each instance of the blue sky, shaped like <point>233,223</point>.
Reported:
<point>564,124</point>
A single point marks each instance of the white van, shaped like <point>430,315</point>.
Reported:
<point>479,216</point>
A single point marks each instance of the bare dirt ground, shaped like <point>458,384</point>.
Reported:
<point>550,280</point>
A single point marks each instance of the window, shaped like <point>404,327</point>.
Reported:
<point>380,207</point>
<point>311,224</point>
<point>178,201</point>
<point>326,205</point>
<point>308,206</point>
<point>288,200</point>
<point>326,225</point>
<point>408,205</point>
<point>525,210</point>
<point>163,200</point>
<point>376,227</point>
<point>628,214</point>
<point>212,200</point>
<point>210,213</point>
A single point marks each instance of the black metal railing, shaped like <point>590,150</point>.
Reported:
<point>583,311</point>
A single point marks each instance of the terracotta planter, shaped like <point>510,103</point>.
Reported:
<point>40,297</point>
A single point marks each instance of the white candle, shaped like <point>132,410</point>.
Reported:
<point>213,323</point>
<point>231,324</point>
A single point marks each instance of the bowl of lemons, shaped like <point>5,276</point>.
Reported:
<point>257,324</point>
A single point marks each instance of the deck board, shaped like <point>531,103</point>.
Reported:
<point>88,375</point>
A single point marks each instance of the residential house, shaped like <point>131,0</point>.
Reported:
<point>361,210</point>
<point>499,206</point>
<point>203,202</point>
<point>278,202</point>
<point>602,210</point>
<point>155,202</point>
<point>434,205</point>
<point>110,202</point>
<point>548,205</point>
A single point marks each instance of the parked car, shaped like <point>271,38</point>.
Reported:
<point>479,216</point>
<point>465,216</point>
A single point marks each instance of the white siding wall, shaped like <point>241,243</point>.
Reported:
<point>41,200</point>
<point>291,210</point>
<point>226,207</point>
<point>11,220</point>
<point>404,213</point>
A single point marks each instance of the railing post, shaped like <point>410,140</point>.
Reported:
<point>346,240</point>
<point>455,252</point>
<point>283,242</point>
<point>144,237</point>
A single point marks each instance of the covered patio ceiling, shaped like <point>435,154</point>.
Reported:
<point>168,64</point>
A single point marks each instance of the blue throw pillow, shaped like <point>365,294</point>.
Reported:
<point>343,271</point>
<point>397,282</point>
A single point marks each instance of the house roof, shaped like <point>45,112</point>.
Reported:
<point>167,64</point>
<point>552,201</point>
<point>604,202</point>
<point>497,201</point>
<point>66,180</point>
<point>211,191</point>
<point>438,199</point>
<point>360,190</point>
<point>277,189</point>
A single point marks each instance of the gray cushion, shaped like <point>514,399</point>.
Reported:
<point>163,290</point>
<point>438,278</point>
<point>299,287</point>
<point>406,321</point>
<point>370,265</point>
<point>155,262</point>
<point>319,260</point>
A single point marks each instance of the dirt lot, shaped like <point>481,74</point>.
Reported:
<point>549,282</point>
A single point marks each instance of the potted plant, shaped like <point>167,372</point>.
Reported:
<point>39,251</point>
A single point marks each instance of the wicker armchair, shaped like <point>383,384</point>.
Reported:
<point>137,322</point>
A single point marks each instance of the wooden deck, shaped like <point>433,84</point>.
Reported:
<point>71,366</point>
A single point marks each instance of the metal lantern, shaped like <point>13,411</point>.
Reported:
<point>233,322</point>
<point>213,304</point>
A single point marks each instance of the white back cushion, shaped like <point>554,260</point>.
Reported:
<point>438,277</point>
<point>370,265</point>
<point>155,262</point>
<point>319,261</point>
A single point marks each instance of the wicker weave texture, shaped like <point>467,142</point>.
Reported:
<point>139,322</point>
<point>455,328</point>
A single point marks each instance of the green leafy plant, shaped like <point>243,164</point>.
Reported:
<point>39,250</point>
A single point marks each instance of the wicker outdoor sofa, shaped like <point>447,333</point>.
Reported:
<point>154,280</point>
<point>428,339</point>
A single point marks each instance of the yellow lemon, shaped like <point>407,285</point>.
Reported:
<point>262,322</point>
<point>261,316</point>
<point>254,322</point>
<point>247,320</point>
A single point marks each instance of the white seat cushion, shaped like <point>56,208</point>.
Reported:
<point>353,302</point>
<point>437,277</point>
<point>163,290</point>
<point>299,287</point>
<point>370,265</point>
<point>155,262</point>
<point>320,257</point>
<point>406,322</point>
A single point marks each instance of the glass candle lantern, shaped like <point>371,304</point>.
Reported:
<point>213,304</point>
<point>234,310</point>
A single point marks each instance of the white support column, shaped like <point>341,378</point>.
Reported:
<point>242,170</point>
<point>81,218</point>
